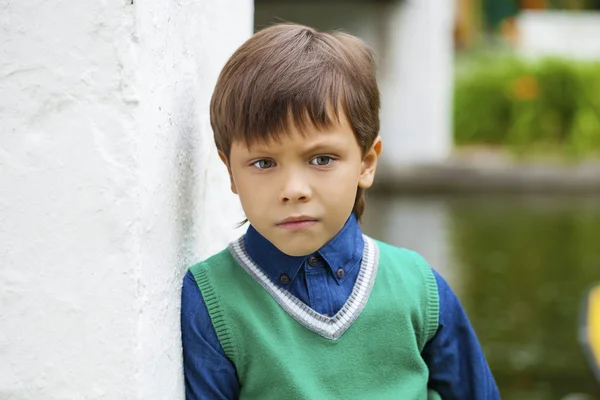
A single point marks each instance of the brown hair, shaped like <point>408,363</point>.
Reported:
<point>292,74</point>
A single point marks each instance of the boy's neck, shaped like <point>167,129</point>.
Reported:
<point>344,249</point>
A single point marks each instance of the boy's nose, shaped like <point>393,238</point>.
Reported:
<point>295,188</point>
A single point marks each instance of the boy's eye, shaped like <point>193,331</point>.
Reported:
<point>264,164</point>
<point>321,161</point>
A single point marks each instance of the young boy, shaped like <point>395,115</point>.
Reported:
<point>304,306</point>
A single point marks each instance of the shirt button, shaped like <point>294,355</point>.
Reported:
<point>340,273</point>
<point>313,261</point>
<point>284,279</point>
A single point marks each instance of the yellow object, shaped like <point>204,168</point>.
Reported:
<point>592,328</point>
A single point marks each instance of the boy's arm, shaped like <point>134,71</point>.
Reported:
<point>208,372</point>
<point>457,367</point>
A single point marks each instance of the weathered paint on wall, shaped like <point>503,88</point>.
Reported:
<point>188,211</point>
<point>109,187</point>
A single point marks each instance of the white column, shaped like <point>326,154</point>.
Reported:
<point>109,187</point>
<point>416,82</point>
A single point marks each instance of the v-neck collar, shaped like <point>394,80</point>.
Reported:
<point>328,327</point>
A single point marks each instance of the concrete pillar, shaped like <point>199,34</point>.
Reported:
<point>416,82</point>
<point>109,187</point>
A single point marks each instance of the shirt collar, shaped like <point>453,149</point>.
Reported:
<point>343,251</point>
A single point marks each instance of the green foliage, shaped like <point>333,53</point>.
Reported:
<point>508,101</point>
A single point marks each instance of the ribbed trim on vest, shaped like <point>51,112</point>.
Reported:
<point>328,327</point>
<point>212,302</point>
<point>432,311</point>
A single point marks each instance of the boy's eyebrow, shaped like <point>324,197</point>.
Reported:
<point>323,145</point>
<point>320,145</point>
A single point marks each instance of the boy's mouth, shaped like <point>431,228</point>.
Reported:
<point>297,223</point>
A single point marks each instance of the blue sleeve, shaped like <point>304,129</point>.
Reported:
<point>208,372</point>
<point>457,367</point>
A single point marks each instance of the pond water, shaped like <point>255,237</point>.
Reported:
<point>520,266</point>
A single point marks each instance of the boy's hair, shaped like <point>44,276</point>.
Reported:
<point>290,74</point>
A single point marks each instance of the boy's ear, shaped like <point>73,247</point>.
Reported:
<point>369,164</point>
<point>223,158</point>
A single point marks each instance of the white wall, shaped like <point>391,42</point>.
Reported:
<point>573,35</point>
<point>109,187</point>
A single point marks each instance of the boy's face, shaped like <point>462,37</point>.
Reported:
<point>298,192</point>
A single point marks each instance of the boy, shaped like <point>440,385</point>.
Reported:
<point>303,306</point>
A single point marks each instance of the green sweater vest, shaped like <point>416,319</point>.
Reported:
<point>282,349</point>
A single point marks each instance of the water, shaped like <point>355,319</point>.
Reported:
<point>520,266</point>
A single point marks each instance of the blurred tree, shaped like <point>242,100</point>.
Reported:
<point>534,4</point>
<point>496,11</point>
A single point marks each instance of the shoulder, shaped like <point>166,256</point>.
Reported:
<point>408,266</point>
<point>405,260</point>
<point>221,260</point>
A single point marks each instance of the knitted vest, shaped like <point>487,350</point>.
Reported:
<point>282,349</point>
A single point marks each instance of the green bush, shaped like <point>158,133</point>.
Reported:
<point>508,101</point>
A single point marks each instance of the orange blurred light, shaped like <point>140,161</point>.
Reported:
<point>525,87</point>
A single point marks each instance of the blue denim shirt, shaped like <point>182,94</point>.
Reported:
<point>324,281</point>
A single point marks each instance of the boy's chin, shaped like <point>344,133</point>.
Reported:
<point>298,250</point>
